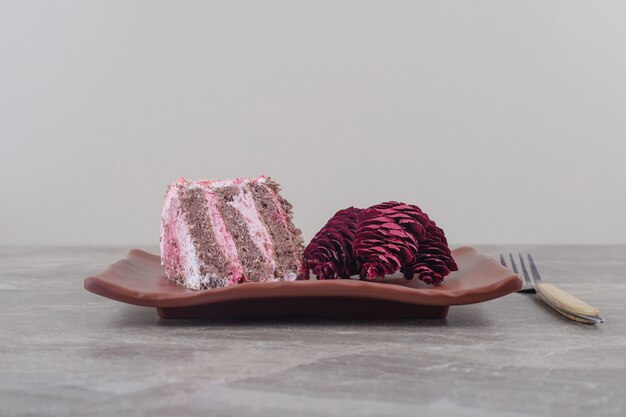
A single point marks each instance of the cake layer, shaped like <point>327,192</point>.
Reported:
<point>276,216</point>
<point>222,235</point>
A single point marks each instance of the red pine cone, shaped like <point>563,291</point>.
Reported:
<point>330,254</point>
<point>395,236</point>
<point>387,238</point>
<point>433,261</point>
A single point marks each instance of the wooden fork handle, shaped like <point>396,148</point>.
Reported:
<point>565,301</point>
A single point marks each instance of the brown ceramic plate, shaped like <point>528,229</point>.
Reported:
<point>140,279</point>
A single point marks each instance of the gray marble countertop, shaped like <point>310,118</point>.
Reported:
<point>64,351</point>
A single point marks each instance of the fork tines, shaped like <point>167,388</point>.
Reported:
<point>529,282</point>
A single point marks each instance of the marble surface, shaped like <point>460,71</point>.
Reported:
<point>67,352</point>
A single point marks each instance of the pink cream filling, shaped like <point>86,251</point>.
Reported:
<point>178,253</point>
<point>170,250</point>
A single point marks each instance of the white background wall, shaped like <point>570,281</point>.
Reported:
<point>505,120</point>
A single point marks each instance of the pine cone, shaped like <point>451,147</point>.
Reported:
<point>330,254</point>
<point>433,261</point>
<point>395,236</point>
<point>387,238</point>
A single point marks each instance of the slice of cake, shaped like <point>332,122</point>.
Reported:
<point>226,232</point>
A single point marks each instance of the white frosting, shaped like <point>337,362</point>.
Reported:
<point>189,256</point>
<point>226,183</point>
<point>189,266</point>
<point>290,276</point>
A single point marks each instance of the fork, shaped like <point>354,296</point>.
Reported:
<point>561,301</point>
